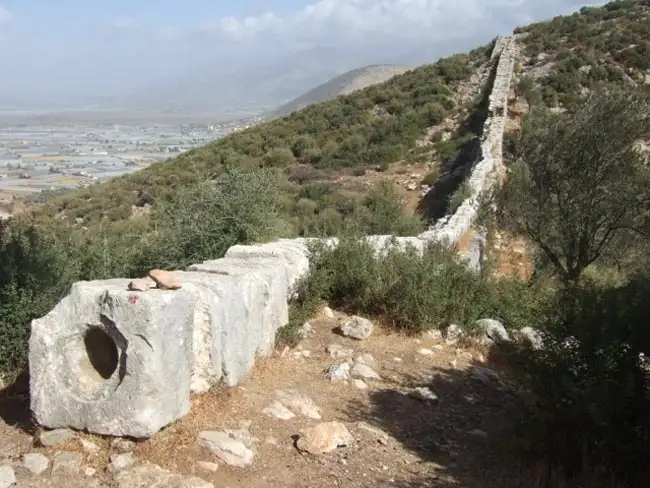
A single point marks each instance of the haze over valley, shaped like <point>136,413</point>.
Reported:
<point>123,87</point>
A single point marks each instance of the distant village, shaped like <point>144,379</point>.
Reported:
<point>36,158</point>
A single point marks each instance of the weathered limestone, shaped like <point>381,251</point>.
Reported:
<point>112,361</point>
<point>123,362</point>
<point>294,253</point>
<point>268,298</point>
<point>485,172</point>
<point>241,304</point>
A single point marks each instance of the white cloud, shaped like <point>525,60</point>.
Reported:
<point>359,18</point>
<point>5,15</point>
<point>369,20</point>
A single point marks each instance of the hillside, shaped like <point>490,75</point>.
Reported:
<point>381,124</point>
<point>343,84</point>
<point>317,170</point>
<point>566,58</point>
<point>524,365</point>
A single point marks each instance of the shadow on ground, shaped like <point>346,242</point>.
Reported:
<point>14,404</point>
<point>466,438</point>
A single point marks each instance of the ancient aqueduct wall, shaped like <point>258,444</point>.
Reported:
<point>117,362</point>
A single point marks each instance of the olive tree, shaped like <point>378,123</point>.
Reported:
<point>578,184</point>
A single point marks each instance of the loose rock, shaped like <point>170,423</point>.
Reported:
<point>367,359</point>
<point>35,463</point>
<point>230,450</point>
<point>298,403</point>
<point>7,476</point>
<point>338,372</point>
<point>424,394</point>
<point>150,475</point>
<point>306,329</point>
<point>279,411</point>
<point>360,384</point>
<point>425,352</point>
<point>51,438</point>
<point>88,446</point>
<point>324,438</point>
<point>243,434</point>
<point>67,463</point>
<point>121,461</point>
<point>356,327</point>
<point>329,313</point>
<point>123,445</point>
<point>491,332</point>
<point>141,284</point>
<point>453,334</point>
<point>365,372</point>
<point>164,279</point>
<point>212,467</point>
<point>337,351</point>
<point>532,338</point>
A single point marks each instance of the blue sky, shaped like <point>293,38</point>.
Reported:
<point>69,47</point>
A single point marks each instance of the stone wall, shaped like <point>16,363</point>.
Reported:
<point>485,172</point>
<point>118,362</point>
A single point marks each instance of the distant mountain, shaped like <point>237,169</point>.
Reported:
<point>341,85</point>
<point>254,83</point>
<point>241,85</point>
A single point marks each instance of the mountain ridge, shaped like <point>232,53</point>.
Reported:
<point>342,84</point>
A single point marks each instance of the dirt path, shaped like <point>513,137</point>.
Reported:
<point>418,443</point>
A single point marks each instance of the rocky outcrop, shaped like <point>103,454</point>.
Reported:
<point>116,359</point>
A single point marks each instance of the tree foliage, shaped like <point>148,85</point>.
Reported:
<point>578,183</point>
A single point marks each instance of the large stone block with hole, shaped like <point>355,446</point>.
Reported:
<point>111,361</point>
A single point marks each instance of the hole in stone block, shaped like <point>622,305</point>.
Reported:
<point>101,351</point>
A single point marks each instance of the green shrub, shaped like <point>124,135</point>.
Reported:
<point>279,158</point>
<point>431,177</point>
<point>591,388</point>
<point>203,222</point>
<point>384,213</point>
<point>413,292</point>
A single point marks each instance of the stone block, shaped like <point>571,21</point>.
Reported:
<point>269,305</point>
<point>112,361</point>
<point>248,303</point>
<point>294,252</point>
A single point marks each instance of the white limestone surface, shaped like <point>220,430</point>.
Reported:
<point>111,361</point>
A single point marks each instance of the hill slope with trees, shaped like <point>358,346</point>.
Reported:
<point>343,84</point>
<point>578,190</point>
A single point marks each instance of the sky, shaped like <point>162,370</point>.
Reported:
<point>77,48</point>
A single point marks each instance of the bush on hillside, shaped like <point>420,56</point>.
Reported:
<point>411,291</point>
<point>591,384</point>
<point>38,266</point>
<point>239,207</point>
<point>384,213</point>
